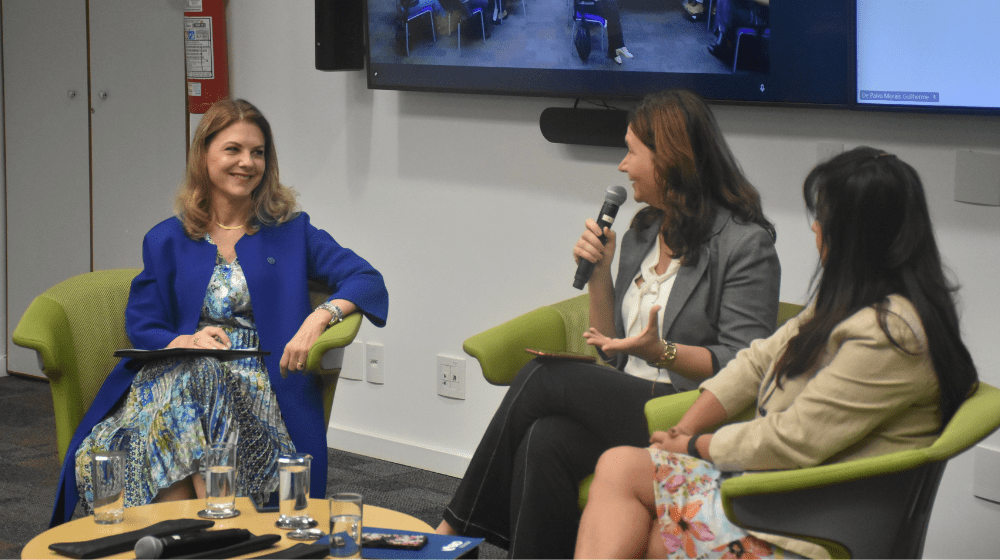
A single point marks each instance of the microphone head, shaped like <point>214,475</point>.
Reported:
<point>148,547</point>
<point>616,195</point>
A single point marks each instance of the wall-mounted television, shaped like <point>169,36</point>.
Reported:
<point>913,55</point>
<point>791,51</point>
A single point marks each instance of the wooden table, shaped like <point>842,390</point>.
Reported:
<point>84,528</point>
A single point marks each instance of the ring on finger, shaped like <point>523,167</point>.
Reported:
<point>300,364</point>
<point>196,340</point>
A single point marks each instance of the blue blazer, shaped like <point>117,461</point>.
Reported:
<point>727,300</point>
<point>166,298</point>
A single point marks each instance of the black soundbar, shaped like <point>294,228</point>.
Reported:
<point>585,127</point>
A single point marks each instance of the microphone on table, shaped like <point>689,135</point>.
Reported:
<point>613,198</point>
<point>187,543</point>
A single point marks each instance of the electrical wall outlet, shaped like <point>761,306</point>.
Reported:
<point>354,361</point>
<point>451,377</point>
<point>375,363</point>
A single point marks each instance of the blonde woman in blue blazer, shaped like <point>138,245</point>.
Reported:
<point>697,282</point>
<point>230,270</point>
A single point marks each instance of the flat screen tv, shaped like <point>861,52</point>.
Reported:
<point>913,55</point>
<point>793,51</point>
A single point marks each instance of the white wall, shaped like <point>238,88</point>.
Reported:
<point>471,216</point>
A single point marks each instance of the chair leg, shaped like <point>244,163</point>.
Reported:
<point>430,16</point>
<point>406,26</point>
<point>482,25</point>
<point>736,50</point>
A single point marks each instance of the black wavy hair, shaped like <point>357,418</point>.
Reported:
<point>877,240</point>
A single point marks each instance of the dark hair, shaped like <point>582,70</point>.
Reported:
<point>695,170</point>
<point>273,203</point>
<point>877,240</point>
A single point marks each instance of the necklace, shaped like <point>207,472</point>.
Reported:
<point>229,227</point>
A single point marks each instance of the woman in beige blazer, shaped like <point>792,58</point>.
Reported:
<point>874,364</point>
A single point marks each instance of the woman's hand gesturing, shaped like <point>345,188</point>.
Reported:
<point>646,345</point>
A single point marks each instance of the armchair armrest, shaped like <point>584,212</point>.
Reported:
<point>500,350</point>
<point>663,413</point>
<point>45,329</point>
<point>327,354</point>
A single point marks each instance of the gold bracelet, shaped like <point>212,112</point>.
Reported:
<point>668,356</point>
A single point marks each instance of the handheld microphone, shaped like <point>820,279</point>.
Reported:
<point>188,543</point>
<point>613,198</point>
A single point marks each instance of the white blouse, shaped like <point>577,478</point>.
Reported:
<point>638,302</point>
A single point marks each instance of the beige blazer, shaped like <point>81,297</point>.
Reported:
<point>866,397</point>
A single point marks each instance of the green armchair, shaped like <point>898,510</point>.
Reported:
<point>557,328</point>
<point>877,507</point>
<point>76,325</point>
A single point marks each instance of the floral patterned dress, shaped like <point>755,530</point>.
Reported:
<point>177,406</point>
<point>690,515</point>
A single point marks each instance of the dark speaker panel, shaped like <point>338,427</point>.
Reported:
<point>586,127</point>
<point>340,35</point>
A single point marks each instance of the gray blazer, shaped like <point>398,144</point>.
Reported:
<point>723,303</point>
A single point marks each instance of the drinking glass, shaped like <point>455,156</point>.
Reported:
<point>107,470</point>
<point>293,497</point>
<point>219,470</point>
<point>345,525</point>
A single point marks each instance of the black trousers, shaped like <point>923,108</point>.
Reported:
<point>612,14</point>
<point>520,490</point>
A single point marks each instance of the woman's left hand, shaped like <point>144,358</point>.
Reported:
<point>671,440</point>
<point>646,345</point>
<point>297,350</point>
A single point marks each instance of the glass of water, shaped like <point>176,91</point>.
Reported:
<point>293,497</point>
<point>107,469</point>
<point>345,525</point>
<point>219,470</point>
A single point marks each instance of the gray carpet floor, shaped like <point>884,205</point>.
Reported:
<point>29,472</point>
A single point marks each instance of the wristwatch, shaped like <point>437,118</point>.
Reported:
<point>333,308</point>
<point>668,356</point>
<point>693,446</point>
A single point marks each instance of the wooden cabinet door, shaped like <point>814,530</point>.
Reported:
<point>139,124</point>
<point>87,174</point>
<point>47,153</point>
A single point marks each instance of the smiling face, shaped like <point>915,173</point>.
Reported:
<point>638,164</point>
<point>235,160</point>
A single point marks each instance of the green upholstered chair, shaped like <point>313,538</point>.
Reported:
<point>557,328</point>
<point>877,507</point>
<point>76,325</point>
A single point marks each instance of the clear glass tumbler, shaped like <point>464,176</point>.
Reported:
<point>293,497</point>
<point>219,470</point>
<point>345,525</point>
<point>107,470</point>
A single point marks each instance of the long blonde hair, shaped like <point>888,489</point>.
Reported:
<point>273,203</point>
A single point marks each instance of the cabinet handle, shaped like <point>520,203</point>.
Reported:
<point>103,95</point>
<point>71,93</point>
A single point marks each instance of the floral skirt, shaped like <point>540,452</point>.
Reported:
<point>691,519</point>
<point>172,411</point>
